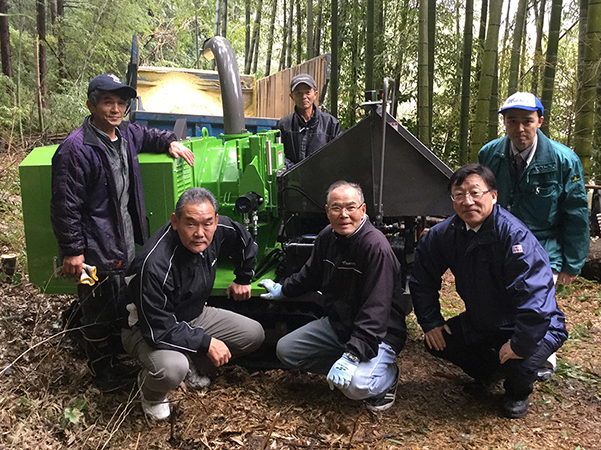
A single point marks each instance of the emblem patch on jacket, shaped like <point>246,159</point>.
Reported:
<point>575,178</point>
<point>517,249</point>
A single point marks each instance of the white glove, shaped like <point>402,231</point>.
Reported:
<point>342,372</point>
<point>274,290</point>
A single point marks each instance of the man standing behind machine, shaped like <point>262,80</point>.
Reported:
<point>307,129</point>
<point>542,183</point>
<point>97,211</point>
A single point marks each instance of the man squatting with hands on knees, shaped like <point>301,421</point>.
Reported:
<point>355,270</point>
<point>170,331</point>
<point>511,323</point>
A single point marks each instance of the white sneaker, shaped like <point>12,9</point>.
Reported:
<point>196,381</point>
<point>154,410</point>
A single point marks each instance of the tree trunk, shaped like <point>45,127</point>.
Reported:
<point>274,10</point>
<point>224,18</point>
<point>41,24</point>
<point>218,18</point>
<point>493,114</point>
<point>318,20</point>
<point>369,46</point>
<point>431,45</point>
<point>5,39</point>
<point>309,29</point>
<point>538,47</point>
<point>254,43</point>
<point>581,39</point>
<point>423,90</point>
<point>247,49</point>
<point>489,57</point>
<point>284,39</point>
<point>481,39</point>
<point>400,54</point>
<point>514,68</point>
<point>551,62</point>
<point>290,22</point>
<point>334,63</point>
<point>465,81</point>
<point>299,33</point>
<point>585,116</point>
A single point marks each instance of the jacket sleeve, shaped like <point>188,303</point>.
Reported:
<point>573,218</point>
<point>153,140</point>
<point>371,323</point>
<point>310,277</point>
<point>426,279</point>
<point>529,283</point>
<point>157,319</point>
<point>238,245</point>
<point>69,181</point>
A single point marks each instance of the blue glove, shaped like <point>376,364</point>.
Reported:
<point>274,290</point>
<point>342,372</point>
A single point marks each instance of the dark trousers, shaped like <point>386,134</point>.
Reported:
<point>101,315</point>
<point>478,356</point>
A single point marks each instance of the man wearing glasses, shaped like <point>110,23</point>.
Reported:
<point>511,323</point>
<point>356,272</point>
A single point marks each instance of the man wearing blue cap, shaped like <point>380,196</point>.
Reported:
<point>97,210</point>
<point>307,129</point>
<point>542,183</point>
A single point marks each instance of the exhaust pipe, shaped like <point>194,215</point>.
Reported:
<point>221,50</point>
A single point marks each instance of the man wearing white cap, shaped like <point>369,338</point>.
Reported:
<point>542,183</point>
<point>307,129</point>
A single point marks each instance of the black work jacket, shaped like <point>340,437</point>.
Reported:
<point>358,277</point>
<point>302,139</point>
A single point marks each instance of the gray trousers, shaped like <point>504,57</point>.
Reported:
<point>315,347</point>
<point>164,370</point>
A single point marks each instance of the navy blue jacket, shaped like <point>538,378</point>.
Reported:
<point>502,274</point>
<point>84,208</point>
<point>358,277</point>
<point>172,284</point>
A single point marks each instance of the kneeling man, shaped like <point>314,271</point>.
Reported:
<point>171,331</point>
<point>511,323</point>
<point>355,270</point>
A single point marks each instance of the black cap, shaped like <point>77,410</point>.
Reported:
<point>302,78</point>
<point>110,82</point>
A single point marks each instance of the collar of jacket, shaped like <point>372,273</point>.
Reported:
<point>302,119</point>
<point>544,157</point>
<point>487,233</point>
<point>91,138</point>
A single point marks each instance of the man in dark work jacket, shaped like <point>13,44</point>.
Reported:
<point>355,270</point>
<point>170,330</point>
<point>307,129</point>
<point>511,323</point>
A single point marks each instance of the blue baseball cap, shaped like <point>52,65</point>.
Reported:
<point>110,82</point>
<point>523,100</point>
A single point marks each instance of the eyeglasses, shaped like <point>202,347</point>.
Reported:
<point>475,195</point>
<point>336,209</point>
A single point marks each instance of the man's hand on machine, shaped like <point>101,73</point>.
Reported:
<point>274,290</point>
<point>238,291</point>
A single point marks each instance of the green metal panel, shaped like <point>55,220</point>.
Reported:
<point>164,180</point>
<point>228,170</point>
<point>36,177</point>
